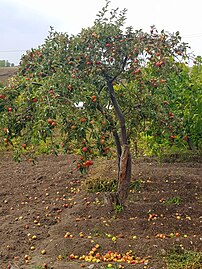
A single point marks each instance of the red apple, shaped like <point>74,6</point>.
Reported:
<point>84,149</point>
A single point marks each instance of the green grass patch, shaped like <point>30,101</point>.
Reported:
<point>118,208</point>
<point>136,184</point>
<point>100,185</point>
<point>179,258</point>
<point>173,201</point>
<point>108,185</point>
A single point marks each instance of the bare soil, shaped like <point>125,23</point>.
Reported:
<point>6,73</point>
<point>41,203</point>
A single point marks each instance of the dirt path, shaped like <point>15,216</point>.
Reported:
<point>41,204</point>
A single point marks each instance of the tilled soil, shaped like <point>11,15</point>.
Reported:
<point>40,204</point>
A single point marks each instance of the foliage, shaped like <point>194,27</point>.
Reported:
<point>170,116</point>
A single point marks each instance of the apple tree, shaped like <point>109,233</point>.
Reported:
<point>98,67</point>
<point>175,123</point>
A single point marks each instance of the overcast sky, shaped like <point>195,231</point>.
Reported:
<point>24,24</point>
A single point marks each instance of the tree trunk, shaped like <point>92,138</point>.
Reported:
<point>123,152</point>
<point>190,144</point>
<point>124,176</point>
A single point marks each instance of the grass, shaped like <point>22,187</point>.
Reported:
<point>173,201</point>
<point>179,258</point>
<point>180,155</point>
<point>136,184</point>
<point>100,185</point>
<point>118,208</point>
<point>108,185</point>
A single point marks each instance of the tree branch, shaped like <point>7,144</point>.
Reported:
<point>122,69</point>
<point>118,111</point>
<point>115,135</point>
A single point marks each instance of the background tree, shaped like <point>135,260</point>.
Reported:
<point>117,73</point>
<point>5,63</point>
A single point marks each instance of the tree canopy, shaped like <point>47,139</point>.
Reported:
<point>130,82</point>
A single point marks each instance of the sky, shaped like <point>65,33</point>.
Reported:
<point>24,24</point>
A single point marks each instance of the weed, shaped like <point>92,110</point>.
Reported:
<point>108,185</point>
<point>136,184</point>
<point>118,208</point>
<point>100,185</point>
<point>179,258</point>
<point>173,201</point>
<point>97,232</point>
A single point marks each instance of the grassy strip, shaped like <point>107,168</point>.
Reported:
<point>184,259</point>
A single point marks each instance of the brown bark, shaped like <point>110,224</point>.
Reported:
<point>118,148</point>
<point>124,176</point>
<point>124,157</point>
<point>190,144</point>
